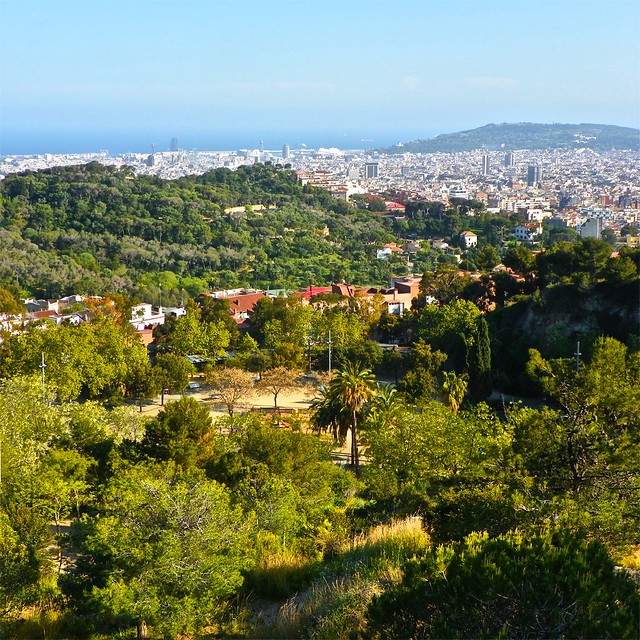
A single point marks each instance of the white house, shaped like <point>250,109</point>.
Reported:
<point>468,239</point>
<point>143,316</point>
<point>527,232</point>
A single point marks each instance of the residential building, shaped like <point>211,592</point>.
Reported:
<point>592,228</point>
<point>468,239</point>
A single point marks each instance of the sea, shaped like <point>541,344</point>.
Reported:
<point>116,142</point>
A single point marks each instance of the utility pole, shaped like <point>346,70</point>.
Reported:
<point>329,343</point>
<point>43,366</point>
<point>577,354</point>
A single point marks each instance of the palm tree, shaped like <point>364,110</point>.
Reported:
<point>351,388</point>
<point>454,389</point>
<point>329,414</point>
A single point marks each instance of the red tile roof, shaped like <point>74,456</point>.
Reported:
<point>244,302</point>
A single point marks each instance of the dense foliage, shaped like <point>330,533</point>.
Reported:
<point>93,228</point>
<point>422,507</point>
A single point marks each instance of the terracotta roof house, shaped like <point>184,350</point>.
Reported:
<point>243,304</point>
<point>344,289</point>
<point>468,239</point>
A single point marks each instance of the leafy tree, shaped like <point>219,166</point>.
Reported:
<point>277,381</point>
<point>23,561</point>
<point>550,584</point>
<point>609,236</point>
<point>519,258</point>
<point>445,284</point>
<point>486,257</point>
<point>219,310</point>
<point>566,261</point>
<point>166,551</point>
<point>174,371</point>
<point>582,451</point>
<point>451,328</point>
<point>288,355</point>
<point>597,403</point>
<point>142,381</point>
<point>92,358</point>
<point>190,337</point>
<point>62,484</point>
<point>629,230</point>
<point>233,385</point>
<point>9,304</point>
<point>620,270</point>
<point>278,507</point>
<point>413,454</point>
<point>424,363</point>
<point>178,433</point>
<point>257,453</point>
<point>29,426</point>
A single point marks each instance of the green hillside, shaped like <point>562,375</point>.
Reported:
<point>94,228</point>
<point>528,135</point>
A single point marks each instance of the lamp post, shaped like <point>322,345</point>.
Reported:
<point>329,343</point>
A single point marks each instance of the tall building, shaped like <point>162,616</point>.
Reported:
<point>592,228</point>
<point>174,144</point>
<point>485,164</point>
<point>370,170</point>
<point>534,175</point>
<point>509,159</point>
<point>285,152</point>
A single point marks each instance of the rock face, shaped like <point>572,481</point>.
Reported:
<point>553,322</point>
<point>567,312</point>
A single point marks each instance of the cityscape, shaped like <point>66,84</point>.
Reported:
<point>569,187</point>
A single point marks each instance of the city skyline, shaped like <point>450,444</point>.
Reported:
<point>350,73</point>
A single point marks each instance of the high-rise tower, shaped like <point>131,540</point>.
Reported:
<point>534,175</point>
<point>485,164</point>
<point>370,170</point>
<point>285,152</point>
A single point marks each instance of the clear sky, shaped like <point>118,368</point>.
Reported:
<point>387,70</point>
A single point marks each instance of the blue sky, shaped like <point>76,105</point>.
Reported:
<point>396,68</point>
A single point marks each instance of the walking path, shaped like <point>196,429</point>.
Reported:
<point>297,400</point>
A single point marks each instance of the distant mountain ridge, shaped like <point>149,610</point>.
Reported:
<point>527,135</point>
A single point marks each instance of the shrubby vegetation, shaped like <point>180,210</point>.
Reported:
<point>451,513</point>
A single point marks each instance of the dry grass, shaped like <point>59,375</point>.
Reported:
<point>334,606</point>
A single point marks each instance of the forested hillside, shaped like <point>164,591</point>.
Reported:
<point>90,229</point>
<point>528,135</point>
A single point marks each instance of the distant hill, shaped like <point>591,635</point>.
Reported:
<point>528,135</point>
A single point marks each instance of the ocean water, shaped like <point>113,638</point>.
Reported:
<point>34,141</point>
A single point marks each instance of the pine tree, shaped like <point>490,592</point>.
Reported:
<point>480,369</point>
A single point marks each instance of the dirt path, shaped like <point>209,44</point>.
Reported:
<point>299,400</point>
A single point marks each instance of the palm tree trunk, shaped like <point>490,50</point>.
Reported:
<point>355,462</point>
<point>142,630</point>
